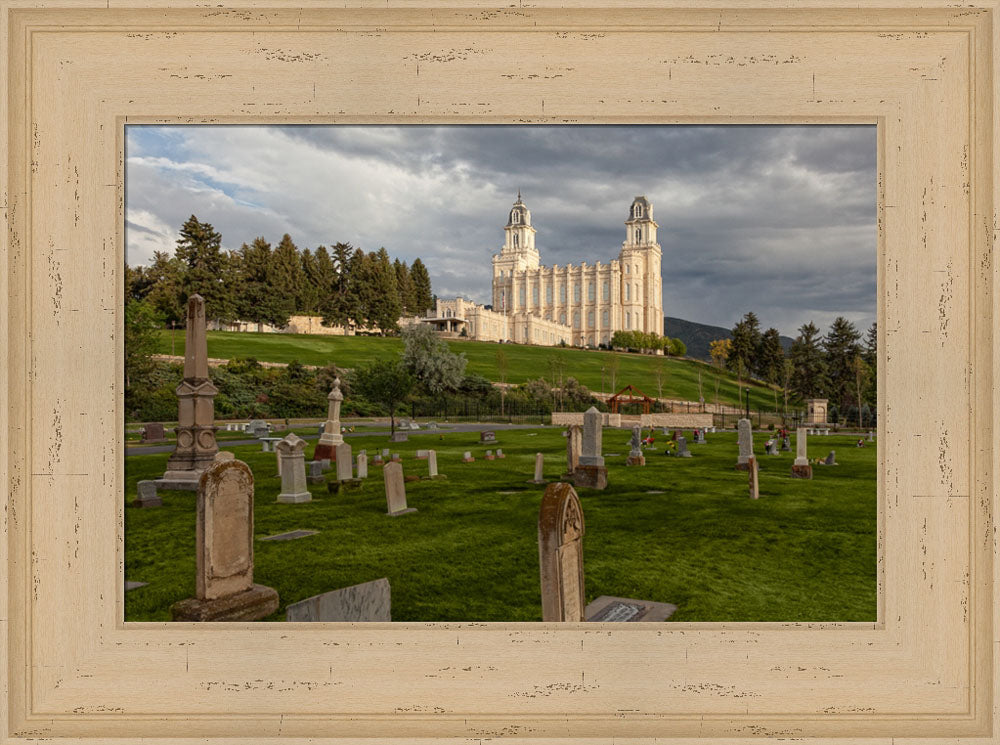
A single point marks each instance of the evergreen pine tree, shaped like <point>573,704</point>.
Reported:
<point>746,345</point>
<point>166,287</point>
<point>809,378</point>
<point>841,345</point>
<point>258,303</point>
<point>772,356</point>
<point>200,249</point>
<point>384,307</point>
<point>325,279</point>
<point>340,307</point>
<point>421,281</point>
<point>308,294</point>
<point>404,285</point>
<point>286,274</point>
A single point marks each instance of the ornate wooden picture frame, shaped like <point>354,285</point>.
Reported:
<point>78,71</point>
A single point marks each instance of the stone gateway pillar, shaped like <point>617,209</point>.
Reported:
<point>560,554</point>
<point>224,588</point>
<point>196,446</point>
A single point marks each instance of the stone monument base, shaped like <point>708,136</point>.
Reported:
<point>335,487</point>
<point>635,460</point>
<point>172,484</point>
<point>325,451</point>
<point>397,513</point>
<point>608,609</point>
<point>742,466</point>
<point>592,477</point>
<point>802,472</point>
<point>299,498</point>
<point>250,605</point>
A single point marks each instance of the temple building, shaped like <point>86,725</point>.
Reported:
<point>580,304</point>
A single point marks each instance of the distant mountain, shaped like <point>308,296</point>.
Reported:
<point>697,336</point>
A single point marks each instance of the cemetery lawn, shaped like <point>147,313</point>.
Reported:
<point>525,362</point>
<point>805,551</point>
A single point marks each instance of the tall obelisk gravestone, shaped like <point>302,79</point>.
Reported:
<point>331,437</point>
<point>196,446</point>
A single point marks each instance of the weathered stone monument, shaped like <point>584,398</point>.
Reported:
<point>539,469</point>
<point>682,448</point>
<point>315,474</point>
<point>293,470</point>
<point>331,436</point>
<point>574,439</point>
<point>489,455</point>
<point>635,456</point>
<point>744,433</point>
<point>432,464</point>
<point>772,446</point>
<point>258,428</point>
<point>147,496</point>
<point>224,588</point>
<point>801,468</point>
<point>467,457</point>
<point>369,601</point>
<point>831,459</point>
<point>699,437</point>
<point>362,465</point>
<point>421,455</point>
<point>816,411</point>
<point>487,436</point>
<point>344,462</point>
<point>398,437</point>
<point>786,445</point>
<point>753,477</point>
<point>153,432</point>
<point>196,447</point>
<point>560,554</point>
<point>591,471</point>
<point>395,490</point>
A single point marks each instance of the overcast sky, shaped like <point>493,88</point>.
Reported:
<point>775,219</point>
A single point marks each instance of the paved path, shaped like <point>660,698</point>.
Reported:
<point>460,427</point>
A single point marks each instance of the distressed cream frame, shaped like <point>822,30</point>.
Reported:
<point>78,70</point>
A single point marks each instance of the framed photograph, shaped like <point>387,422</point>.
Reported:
<point>82,76</point>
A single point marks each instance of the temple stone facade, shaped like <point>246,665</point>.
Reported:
<point>591,301</point>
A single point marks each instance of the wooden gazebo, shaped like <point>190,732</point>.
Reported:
<point>630,395</point>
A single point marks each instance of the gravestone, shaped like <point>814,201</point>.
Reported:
<point>396,458</point>
<point>432,425</point>
<point>682,448</point>
<point>395,490</point>
<point>421,455</point>
<point>753,478</point>
<point>398,437</point>
<point>871,436</point>
<point>369,601</point>
<point>362,465</point>
<point>224,587</point>
<point>574,439</point>
<point>378,460</point>
<point>539,469</point>
<point>772,447</point>
<point>343,455</point>
<point>432,464</point>
<point>153,432</point>
<point>560,554</point>
<point>699,437</point>
<point>500,455</point>
<point>291,535</point>
<point>224,455</point>
<point>608,609</point>
<point>591,471</point>
<point>801,468</point>
<point>293,470</point>
<point>831,459</point>
<point>258,428</point>
<point>385,452</point>
<point>196,447</point>
<point>635,456</point>
<point>277,457</point>
<point>489,455</point>
<point>129,585</point>
<point>745,441</point>
<point>414,425</point>
<point>487,436</point>
<point>325,463</point>
<point>147,496</point>
<point>330,437</point>
<point>786,444</point>
<point>315,475</point>
<point>467,457</point>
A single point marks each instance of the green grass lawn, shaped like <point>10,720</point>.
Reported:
<point>805,551</point>
<point>525,362</point>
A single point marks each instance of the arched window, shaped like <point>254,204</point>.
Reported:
<point>562,318</point>
<point>534,294</point>
<point>628,320</point>
<point>628,268</point>
<point>548,294</point>
<point>590,320</point>
<point>591,291</point>
<point>638,235</point>
<point>604,319</point>
<point>637,210</point>
<point>606,290</point>
<point>628,291</point>
<point>562,295</point>
<point>515,217</point>
<point>515,240</point>
<point>520,295</point>
<point>576,319</point>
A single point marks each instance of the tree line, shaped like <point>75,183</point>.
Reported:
<point>839,366</point>
<point>264,284</point>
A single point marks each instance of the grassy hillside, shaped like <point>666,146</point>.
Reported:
<point>524,362</point>
<point>698,336</point>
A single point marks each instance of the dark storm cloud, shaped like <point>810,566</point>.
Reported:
<point>775,219</point>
